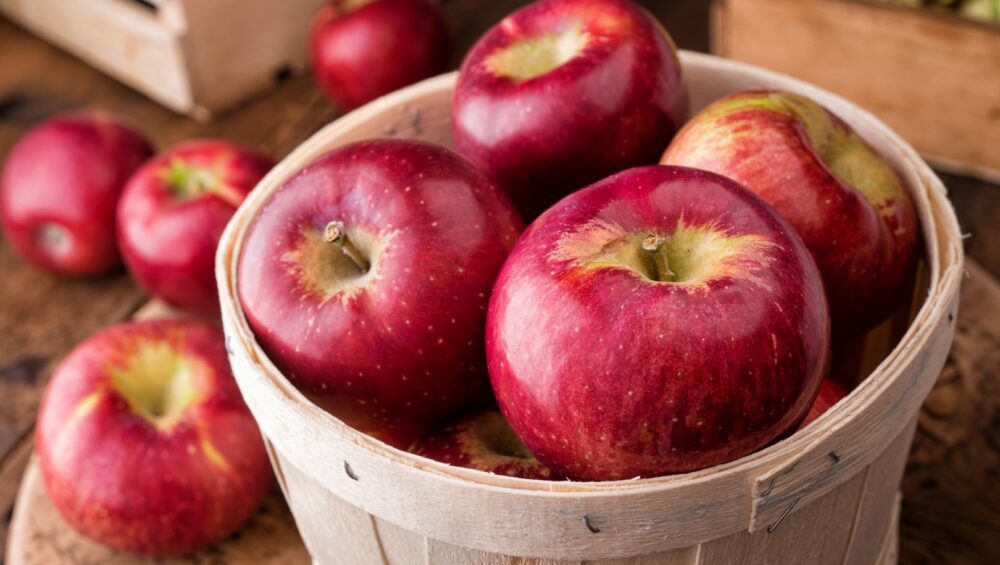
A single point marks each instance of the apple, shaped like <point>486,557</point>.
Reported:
<point>848,204</point>
<point>145,443</point>
<point>362,49</point>
<point>660,321</point>
<point>59,189</point>
<point>562,93</point>
<point>483,441</point>
<point>366,277</point>
<point>172,213</point>
<point>830,393</point>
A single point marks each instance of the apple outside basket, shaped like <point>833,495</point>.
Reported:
<point>828,494</point>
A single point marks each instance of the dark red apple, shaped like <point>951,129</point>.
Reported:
<point>60,187</point>
<point>367,275</point>
<point>847,203</point>
<point>362,49</point>
<point>172,214</point>
<point>662,320</point>
<point>145,443</point>
<point>830,393</point>
<point>483,441</point>
<point>562,93</point>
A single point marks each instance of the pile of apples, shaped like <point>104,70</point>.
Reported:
<point>651,319</point>
<point>144,441</point>
<point>670,306</point>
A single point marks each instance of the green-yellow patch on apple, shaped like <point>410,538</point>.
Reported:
<point>188,181</point>
<point>843,151</point>
<point>690,256</point>
<point>158,381</point>
<point>325,270</point>
<point>531,57</point>
<point>211,452</point>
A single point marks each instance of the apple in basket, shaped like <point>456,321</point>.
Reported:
<point>482,441</point>
<point>172,214</point>
<point>366,277</point>
<point>660,321</point>
<point>59,190</point>
<point>145,442</point>
<point>562,93</point>
<point>829,394</point>
<point>362,49</point>
<point>851,208</point>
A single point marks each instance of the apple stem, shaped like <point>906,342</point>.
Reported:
<point>661,265</point>
<point>337,235</point>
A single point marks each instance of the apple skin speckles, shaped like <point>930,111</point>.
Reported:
<point>429,234</point>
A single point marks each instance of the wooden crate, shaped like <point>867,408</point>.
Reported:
<point>934,78</point>
<point>826,495</point>
<point>197,57</point>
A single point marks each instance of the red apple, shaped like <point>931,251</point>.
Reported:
<point>367,275</point>
<point>362,49</point>
<point>660,321</point>
<point>60,187</point>
<point>847,203</point>
<point>145,443</point>
<point>830,393</point>
<point>485,442</point>
<point>172,214</point>
<point>565,92</point>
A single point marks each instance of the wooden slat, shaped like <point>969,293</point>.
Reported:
<point>742,548</point>
<point>348,533</point>
<point>878,500</point>
<point>686,556</point>
<point>441,553</point>
<point>818,533</point>
<point>400,546</point>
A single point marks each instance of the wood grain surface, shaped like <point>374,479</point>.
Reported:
<point>950,494</point>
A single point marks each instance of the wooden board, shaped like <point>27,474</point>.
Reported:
<point>950,503</point>
<point>39,536</point>
<point>934,79</point>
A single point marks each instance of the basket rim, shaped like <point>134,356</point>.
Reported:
<point>945,259</point>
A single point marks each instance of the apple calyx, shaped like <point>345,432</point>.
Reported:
<point>188,182</point>
<point>531,57</point>
<point>158,382</point>
<point>336,234</point>
<point>53,237</point>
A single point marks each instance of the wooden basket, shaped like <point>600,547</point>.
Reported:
<point>825,495</point>
<point>933,77</point>
<point>197,57</point>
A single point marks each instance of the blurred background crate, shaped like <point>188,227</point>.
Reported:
<point>192,56</point>
<point>932,76</point>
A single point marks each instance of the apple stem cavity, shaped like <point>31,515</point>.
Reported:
<point>335,234</point>
<point>532,57</point>
<point>658,262</point>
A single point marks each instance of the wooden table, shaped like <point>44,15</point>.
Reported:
<point>950,509</point>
